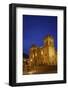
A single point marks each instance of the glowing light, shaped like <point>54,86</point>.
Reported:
<point>35,54</point>
<point>31,60</point>
<point>42,52</point>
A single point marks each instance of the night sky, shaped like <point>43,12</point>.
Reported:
<point>35,28</point>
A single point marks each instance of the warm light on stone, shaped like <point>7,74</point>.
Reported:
<point>45,54</point>
<point>35,54</point>
<point>31,60</point>
<point>41,52</point>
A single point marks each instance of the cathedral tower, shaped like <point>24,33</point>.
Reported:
<point>50,54</point>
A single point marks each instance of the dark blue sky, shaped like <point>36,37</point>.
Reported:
<point>35,28</point>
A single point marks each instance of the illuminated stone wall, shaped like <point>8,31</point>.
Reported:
<point>45,54</point>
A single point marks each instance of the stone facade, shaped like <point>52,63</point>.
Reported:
<point>45,54</point>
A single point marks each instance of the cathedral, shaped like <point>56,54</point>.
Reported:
<point>45,55</point>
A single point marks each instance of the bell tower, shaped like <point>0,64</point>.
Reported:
<point>49,41</point>
<point>49,50</point>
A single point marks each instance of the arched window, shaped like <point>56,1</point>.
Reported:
<point>41,52</point>
<point>31,60</point>
<point>35,54</point>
